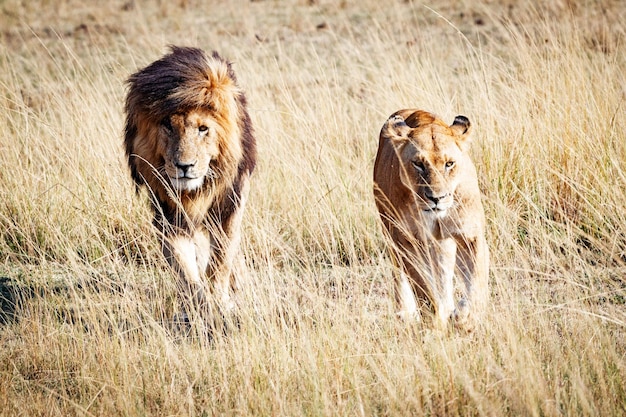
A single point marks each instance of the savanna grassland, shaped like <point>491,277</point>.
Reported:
<point>87,299</point>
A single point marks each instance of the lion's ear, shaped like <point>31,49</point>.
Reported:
<point>396,129</point>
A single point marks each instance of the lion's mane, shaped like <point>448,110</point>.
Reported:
<point>183,80</point>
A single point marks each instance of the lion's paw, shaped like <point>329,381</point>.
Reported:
<point>462,317</point>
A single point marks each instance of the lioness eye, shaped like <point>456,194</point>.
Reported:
<point>449,164</point>
<point>203,128</point>
<point>418,165</point>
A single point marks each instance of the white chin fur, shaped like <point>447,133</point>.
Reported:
<point>437,212</point>
<point>187,184</point>
<point>440,213</point>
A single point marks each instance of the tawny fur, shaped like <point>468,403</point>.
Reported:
<point>189,139</point>
<point>426,191</point>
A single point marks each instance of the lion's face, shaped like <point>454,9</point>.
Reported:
<point>190,142</point>
<point>431,156</point>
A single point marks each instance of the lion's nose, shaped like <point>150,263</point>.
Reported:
<point>434,199</point>
<point>184,166</point>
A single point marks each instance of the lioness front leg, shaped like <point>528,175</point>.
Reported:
<point>405,298</point>
<point>443,261</point>
<point>411,290</point>
<point>473,265</point>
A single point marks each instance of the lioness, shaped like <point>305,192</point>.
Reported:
<point>189,139</point>
<point>427,195</point>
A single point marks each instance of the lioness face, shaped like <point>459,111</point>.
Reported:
<point>430,172</point>
<point>428,155</point>
<point>190,144</point>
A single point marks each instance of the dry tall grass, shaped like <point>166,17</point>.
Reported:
<point>87,299</point>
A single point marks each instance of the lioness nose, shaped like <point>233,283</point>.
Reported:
<point>433,198</point>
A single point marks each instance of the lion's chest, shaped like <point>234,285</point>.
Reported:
<point>197,208</point>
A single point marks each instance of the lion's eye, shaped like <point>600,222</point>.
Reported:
<point>167,124</point>
<point>203,128</point>
<point>450,164</point>
<point>419,165</point>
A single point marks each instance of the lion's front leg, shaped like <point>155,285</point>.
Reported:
<point>189,256</point>
<point>220,269</point>
<point>227,268</point>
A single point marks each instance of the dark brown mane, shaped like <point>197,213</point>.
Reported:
<point>186,78</point>
<point>162,87</point>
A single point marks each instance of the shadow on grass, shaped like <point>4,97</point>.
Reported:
<point>15,295</point>
<point>9,293</point>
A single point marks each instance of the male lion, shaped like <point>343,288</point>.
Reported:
<point>426,192</point>
<point>189,139</point>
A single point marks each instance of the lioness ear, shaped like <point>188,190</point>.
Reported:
<point>461,125</point>
<point>462,128</point>
<point>395,128</point>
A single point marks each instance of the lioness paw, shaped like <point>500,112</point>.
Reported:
<point>410,316</point>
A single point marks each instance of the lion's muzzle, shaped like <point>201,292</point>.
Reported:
<point>184,169</point>
<point>185,176</point>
